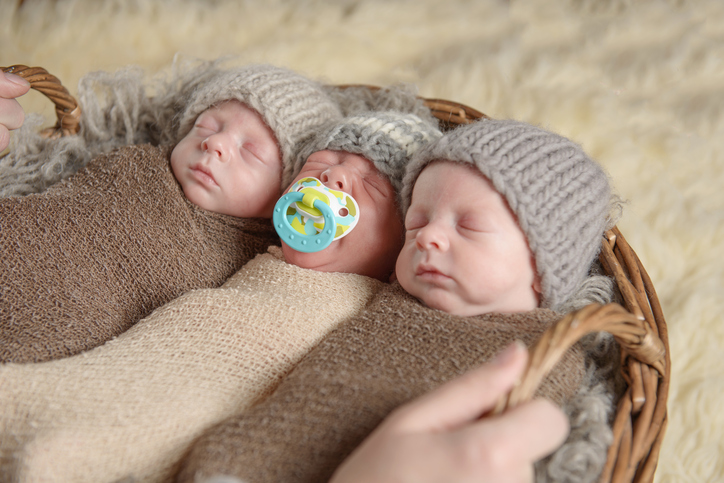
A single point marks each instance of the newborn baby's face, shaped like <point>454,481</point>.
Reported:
<point>371,248</point>
<point>464,252</point>
<point>230,162</point>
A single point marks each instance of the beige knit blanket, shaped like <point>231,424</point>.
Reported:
<point>83,261</point>
<point>131,407</point>
<point>394,351</point>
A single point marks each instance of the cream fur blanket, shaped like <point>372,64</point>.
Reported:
<point>637,83</point>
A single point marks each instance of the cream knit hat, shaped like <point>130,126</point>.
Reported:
<point>559,195</point>
<point>293,106</point>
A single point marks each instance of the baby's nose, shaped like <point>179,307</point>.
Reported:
<point>431,237</point>
<point>337,177</point>
<point>215,145</point>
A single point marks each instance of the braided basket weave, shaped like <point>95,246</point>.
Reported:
<point>639,327</point>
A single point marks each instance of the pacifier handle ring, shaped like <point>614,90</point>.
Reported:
<point>299,241</point>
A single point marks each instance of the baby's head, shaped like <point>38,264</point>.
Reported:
<point>239,133</point>
<point>501,216</point>
<point>364,156</point>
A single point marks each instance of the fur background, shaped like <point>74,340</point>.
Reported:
<point>640,84</point>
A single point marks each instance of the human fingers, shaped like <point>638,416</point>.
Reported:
<point>520,436</point>
<point>11,114</point>
<point>4,138</point>
<point>465,398</point>
<point>500,449</point>
<point>12,86</point>
<point>11,117</point>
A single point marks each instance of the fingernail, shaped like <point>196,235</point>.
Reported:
<point>507,355</point>
<point>16,79</point>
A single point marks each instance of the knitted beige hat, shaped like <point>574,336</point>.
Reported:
<point>559,195</point>
<point>293,106</point>
<point>388,139</point>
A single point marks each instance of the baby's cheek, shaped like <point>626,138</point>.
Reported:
<point>403,268</point>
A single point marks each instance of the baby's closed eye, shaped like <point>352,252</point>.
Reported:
<point>253,150</point>
<point>475,224</point>
<point>415,221</point>
<point>205,128</point>
<point>207,122</point>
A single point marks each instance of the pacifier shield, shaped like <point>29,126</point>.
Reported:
<point>310,212</point>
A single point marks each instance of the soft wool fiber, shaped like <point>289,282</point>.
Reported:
<point>387,138</point>
<point>637,84</point>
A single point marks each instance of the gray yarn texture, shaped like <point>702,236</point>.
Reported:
<point>293,106</point>
<point>560,196</point>
<point>388,139</point>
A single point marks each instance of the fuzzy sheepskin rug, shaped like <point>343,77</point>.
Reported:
<point>639,84</point>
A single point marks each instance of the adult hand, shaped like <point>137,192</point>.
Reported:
<point>11,113</point>
<point>440,436</point>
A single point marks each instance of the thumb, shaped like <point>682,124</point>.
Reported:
<point>12,86</point>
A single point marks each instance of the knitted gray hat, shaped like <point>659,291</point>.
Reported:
<point>293,106</point>
<point>387,138</point>
<point>559,195</point>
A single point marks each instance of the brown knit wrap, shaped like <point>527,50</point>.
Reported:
<point>85,260</point>
<point>395,351</point>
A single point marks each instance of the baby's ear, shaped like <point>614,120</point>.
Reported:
<point>536,278</point>
<point>536,284</point>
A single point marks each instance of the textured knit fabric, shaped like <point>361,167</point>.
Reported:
<point>85,260</point>
<point>388,139</point>
<point>356,99</point>
<point>560,196</point>
<point>130,408</point>
<point>393,352</point>
<point>293,106</point>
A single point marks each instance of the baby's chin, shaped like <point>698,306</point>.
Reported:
<point>438,299</point>
<point>445,301</point>
<point>322,261</point>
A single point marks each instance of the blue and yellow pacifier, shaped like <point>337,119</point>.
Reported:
<point>310,216</point>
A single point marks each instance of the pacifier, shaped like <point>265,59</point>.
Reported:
<point>310,216</point>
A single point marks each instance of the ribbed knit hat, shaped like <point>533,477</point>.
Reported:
<point>387,138</point>
<point>293,106</point>
<point>559,195</point>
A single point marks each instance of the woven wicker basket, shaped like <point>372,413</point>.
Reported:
<point>639,328</point>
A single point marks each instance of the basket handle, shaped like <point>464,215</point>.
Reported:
<point>67,109</point>
<point>636,337</point>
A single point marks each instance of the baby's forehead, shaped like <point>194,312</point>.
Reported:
<point>443,171</point>
<point>459,186</point>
